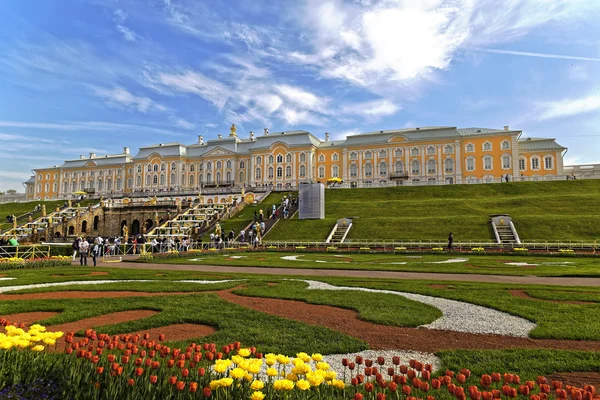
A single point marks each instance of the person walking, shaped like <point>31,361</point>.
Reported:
<point>95,251</point>
<point>450,241</point>
<point>76,247</point>
<point>84,247</point>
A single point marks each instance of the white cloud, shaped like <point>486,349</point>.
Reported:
<point>244,33</point>
<point>86,126</point>
<point>530,54</point>
<point>127,33</point>
<point>120,97</point>
<point>567,107</point>
<point>14,175</point>
<point>182,123</point>
<point>344,134</point>
<point>372,109</point>
<point>300,96</point>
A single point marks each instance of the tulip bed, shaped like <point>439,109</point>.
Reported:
<point>99,366</point>
<point>20,263</point>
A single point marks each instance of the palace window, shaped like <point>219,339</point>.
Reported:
<point>487,163</point>
<point>162,179</point>
<point>431,167</point>
<point>66,187</point>
<point>148,180</point>
<point>118,184</point>
<point>415,151</point>
<point>399,167</point>
<point>302,157</point>
<point>92,173</point>
<point>173,179</point>
<point>522,163</point>
<point>279,172</point>
<point>368,155</point>
<point>163,167</point>
<point>100,173</point>
<point>200,179</point>
<point>228,164</point>
<point>173,166</point>
<point>398,153</point>
<point>353,171</point>
<point>321,172</point>
<point>302,171</point>
<point>470,163</point>
<point>335,171</point>
<point>149,169</point>
<point>271,158</point>
<point>258,159</point>
<point>138,181</point>
<point>487,146</point>
<point>47,187</point>
<point>218,177</point>
<point>548,162</point>
<point>155,168</point>
<point>241,176</point>
<point>368,170</point>
<point>242,164</point>
<point>209,177</point>
<point>535,163</point>
<point>469,148</point>
<point>209,165</point>
<point>192,168</point>
<point>99,184</point>
<point>192,180</point>
<point>449,165</point>
<point>130,171</point>
<point>288,158</point>
<point>505,145</point>
<point>83,174</point>
<point>353,155</point>
<point>321,158</point>
<point>449,149</point>
<point>271,171</point>
<point>506,161</point>
<point>118,171</point>
<point>139,169</point>
<point>431,150</point>
<point>129,183</point>
<point>382,169</point>
<point>228,176</point>
<point>73,186</point>
<point>279,158</point>
<point>155,180</point>
<point>335,157</point>
<point>183,168</point>
<point>288,171</point>
<point>55,187</point>
<point>415,167</point>
<point>382,153</point>
<point>109,184</point>
<point>219,164</point>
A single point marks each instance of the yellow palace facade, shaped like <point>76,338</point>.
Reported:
<point>417,156</point>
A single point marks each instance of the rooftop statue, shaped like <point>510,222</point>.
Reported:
<point>233,131</point>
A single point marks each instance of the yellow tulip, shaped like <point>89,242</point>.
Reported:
<point>317,357</point>
<point>50,341</point>
<point>226,382</point>
<point>270,361</point>
<point>283,360</point>
<point>283,384</point>
<point>244,352</point>
<point>220,368</point>
<point>292,377</point>
<point>303,384</point>
<point>257,385</point>
<point>315,378</point>
<point>303,356</point>
<point>257,396</point>
<point>338,384</point>
<point>237,373</point>
<point>330,375</point>
<point>271,372</point>
<point>39,347</point>
<point>323,366</point>
<point>214,385</point>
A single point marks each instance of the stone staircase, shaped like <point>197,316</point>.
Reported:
<point>504,229</point>
<point>340,231</point>
<point>192,221</point>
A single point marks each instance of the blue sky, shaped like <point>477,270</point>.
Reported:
<point>80,76</point>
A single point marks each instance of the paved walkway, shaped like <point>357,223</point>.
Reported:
<point>530,280</point>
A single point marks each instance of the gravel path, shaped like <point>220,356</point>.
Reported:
<point>457,316</point>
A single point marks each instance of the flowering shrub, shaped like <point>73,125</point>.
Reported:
<point>331,248</point>
<point>478,249</point>
<point>136,367</point>
<point>437,249</point>
<point>566,251</point>
<point>21,263</point>
<point>400,248</point>
<point>365,248</point>
<point>520,249</point>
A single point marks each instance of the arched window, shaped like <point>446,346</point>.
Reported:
<point>321,172</point>
<point>155,168</point>
<point>469,148</point>
<point>353,171</point>
<point>241,176</point>
<point>505,145</point>
<point>431,150</point>
<point>415,167</point>
<point>470,163</point>
<point>139,169</point>
<point>81,185</point>
<point>354,155</point>
<point>173,166</point>
<point>228,164</point>
<point>415,151</point>
<point>162,179</point>
<point>118,184</point>
<point>302,157</point>
<point>138,181</point>
<point>192,180</point>
<point>183,181</point>
<point>219,164</point>
<point>183,168</point>
<point>279,172</point>
<point>279,158</point>
<point>449,165</point>
<point>335,171</point>
<point>209,165</point>
<point>368,170</point>
<point>271,172</point>
<point>228,176</point>
<point>73,187</point>
<point>449,149</point>
<point>382,169</point>
<point>288,171</point>
<point>288,158</point>
<point>129,183</point>
<point>399,167</point>
<point>242,164</point>
<point>302,171</point>
<point>431,167</point>
<point>55,187</point>
<point>321,158</point>
<point>335,157</point>
<point>173,179</point>
<point>208,177</point>
<point>155,179</point>
<point>218,177</point>
<point>506,161</point>
<point>109,184</point>
<point>258,174</point>
<point>271,159</point>
<point>99,184</point>
<point>398,153</point>
<point>200,179</point>
<point>487,146</point>
<point>258,159</point>
<point>66,187</point>
<point>368,155</point>
<point>487,163</point>
<point>148,180</point>
<point>163,166</point>
<point>192,168</point>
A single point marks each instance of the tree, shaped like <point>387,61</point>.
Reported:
<point>11,191</point>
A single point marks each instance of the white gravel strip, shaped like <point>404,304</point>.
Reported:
<point>450,261</point>
<point>7,279</point>
<point>457,316</point>
<point>5,289</point>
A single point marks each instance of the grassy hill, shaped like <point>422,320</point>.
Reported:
<point>19,209</point>
<point>562,210</point>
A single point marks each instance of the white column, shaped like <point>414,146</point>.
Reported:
<point>345,165</point>
<point>458,161</point>
<point>439,166</point>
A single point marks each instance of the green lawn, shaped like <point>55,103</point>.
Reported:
<point>561,210</point>
<point>23,208</point>
<point>243,218</point>
<point>460,263</point>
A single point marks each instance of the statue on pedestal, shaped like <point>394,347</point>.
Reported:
<point>233,130</point>
<point>43,210</point>
<point>125,232</point>
<point>218,229</point>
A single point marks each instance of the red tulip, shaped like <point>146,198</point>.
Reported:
<point>345,362</point>
<point>207,391</point>
<point>381,396</point>
<point>424,386</point>
<point>450,373</point>
<point>496,394</point>
<point>185,372</point>
<point>161,337</point>
<point>396,360</point>
<point>358,396</point>
<point>461,378</point>
<point>534,397</point>
<point>359,360</point>
<point>487,395</point>
<point>406,390</point>
<point>180,385</point>
<point>369,363</point>
<point>354,382</point>
<point>411,373</point>
<point>351,366</point>
<point>130,382</point>
<point>139,371</point>
<point>369,387</point>
<point>99,370</point>
<point>95,359</point>
<point>380,360</point>
<point>393,386</point>
<point>486,380</point>
<point>193,387</point>
<point>403,369</point>
<point>435,383</point>
<point>495,377</point>
<point>541,380</point>
<point>382,383</point>
<point>391,371</point>
<point>153,379</point>
<point>465,372</point>
<point>524,390</point>
<point>556,384</point>
<point>172,380</point>
<point>426,375</point>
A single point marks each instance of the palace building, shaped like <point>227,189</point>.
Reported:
<point>425,155</point>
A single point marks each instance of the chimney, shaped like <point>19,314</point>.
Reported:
<point>200,139</point>
<point>220,136</point>
<point>92,155</point>
<point>81,157</point>
<point>266,131</point>
<point>505,127</point>
<point>252,136</point>
<point>125,150</point>
<point>327,136</point>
